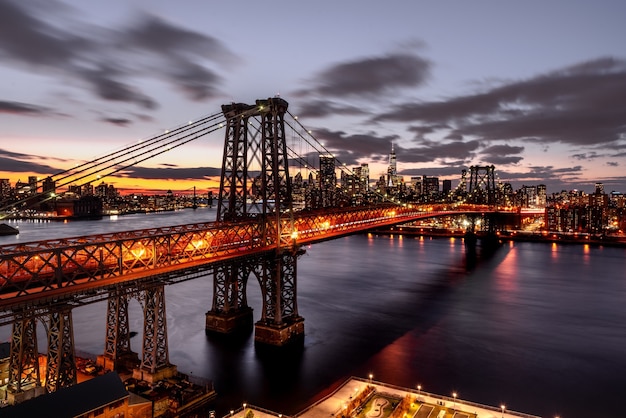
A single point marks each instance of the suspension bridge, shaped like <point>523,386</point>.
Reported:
<point>258,233</point>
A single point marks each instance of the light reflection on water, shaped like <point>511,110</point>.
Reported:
<point>538,327</point>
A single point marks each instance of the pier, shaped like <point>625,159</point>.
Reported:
<point>363,398</point>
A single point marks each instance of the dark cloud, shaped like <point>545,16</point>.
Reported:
<point>431,151</point>
<point>46,40</point>
<point>118,121</point>
<point>501,155</point>
<point>168,172</point>
<point>323,108</point>
<point>181,55</point>
<point>106,83</point>
<point>421,131</point>
<point>586,156</point>
<point>23,163</point>
<point>358,145</point>
<point>370,76</point>
<point>579,105</point>
<point>18,108</point>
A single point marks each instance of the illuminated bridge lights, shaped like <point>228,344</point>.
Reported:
<point>63,263</point>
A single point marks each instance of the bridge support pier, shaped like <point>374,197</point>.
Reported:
<point>61,368</point>
<point>24,376</point>
<point>229,322</point>
<point>280,324</point>
<point>117,352</point>
<point>155,363</point>
<point>230,312</point>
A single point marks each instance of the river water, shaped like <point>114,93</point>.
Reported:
<point>538,327</point>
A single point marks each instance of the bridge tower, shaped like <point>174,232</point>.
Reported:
<point>264,198</point>
<point>24,375</point>
<point>482,187</point>
<point>61,369</point>
<point>117,351</point>
<point>155,365</point>
<point>482,191</point>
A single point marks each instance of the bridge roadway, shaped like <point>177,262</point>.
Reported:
<point>81,270</point>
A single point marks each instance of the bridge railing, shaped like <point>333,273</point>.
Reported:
<point>40,266</point>
<point>54,265</point>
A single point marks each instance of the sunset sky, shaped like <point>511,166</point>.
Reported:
<point>536,88</point>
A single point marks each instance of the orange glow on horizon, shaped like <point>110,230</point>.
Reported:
<point>127,186</point>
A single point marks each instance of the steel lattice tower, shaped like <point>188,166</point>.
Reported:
<point>482,187</point>
<point>255,137</point>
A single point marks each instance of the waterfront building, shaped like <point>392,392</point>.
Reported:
<point>5,189</point>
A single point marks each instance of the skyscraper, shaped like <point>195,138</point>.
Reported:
<point>327,180</point>
<point>392,170</point>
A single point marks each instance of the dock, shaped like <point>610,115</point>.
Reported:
<point>364,398</point>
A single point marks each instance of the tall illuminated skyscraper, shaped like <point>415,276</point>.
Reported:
<point>392,170</point>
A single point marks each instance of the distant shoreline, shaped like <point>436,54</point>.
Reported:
<point>547,237</point>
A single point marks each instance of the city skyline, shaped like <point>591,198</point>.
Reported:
<point>534,89</point>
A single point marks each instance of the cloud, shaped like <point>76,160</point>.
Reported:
<point>358,146</point>
<point>434,151</point>
<point>169,172</point>
<point>18,108</point>
<point>322,108</point>
<point>368,77</point>
<point>23,163</point>
<point>501,154</point>
<point>586,156</point>
<point>49,40</point>
<point>181,54</point>
<point>581,105</point>
<point>26,163</point>
<point>118,121</point>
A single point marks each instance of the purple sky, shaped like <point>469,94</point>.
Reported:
<point>537,88</point>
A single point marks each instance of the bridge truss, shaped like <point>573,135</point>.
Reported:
<point>257,234</point>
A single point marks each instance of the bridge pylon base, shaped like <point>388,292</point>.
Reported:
<point>280,335</point>
<point>126,361</point>
<point>14,397</point>
<point>161,373</point>
<point>230,322</point>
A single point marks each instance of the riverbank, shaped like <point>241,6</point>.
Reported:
<point>523,236</point>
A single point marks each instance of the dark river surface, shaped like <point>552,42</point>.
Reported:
<point>536,326</point>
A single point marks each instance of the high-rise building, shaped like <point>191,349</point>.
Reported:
<point>364,177</point>
<point>542,195</point>
<point>599,188</point>
<point>32,184</point>
<point>5,188</point>
<point>416,184</point>
<point>447,186</point>
<point>48,185</point>
<point>430,185</point>
<point>393,180</point>
<point>327,180</point>
<point>327,176</point>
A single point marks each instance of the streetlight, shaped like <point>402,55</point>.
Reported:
<point>454,403</point>
<point>419,388</point>
<point>503,408</point>
<point>371,375</point>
